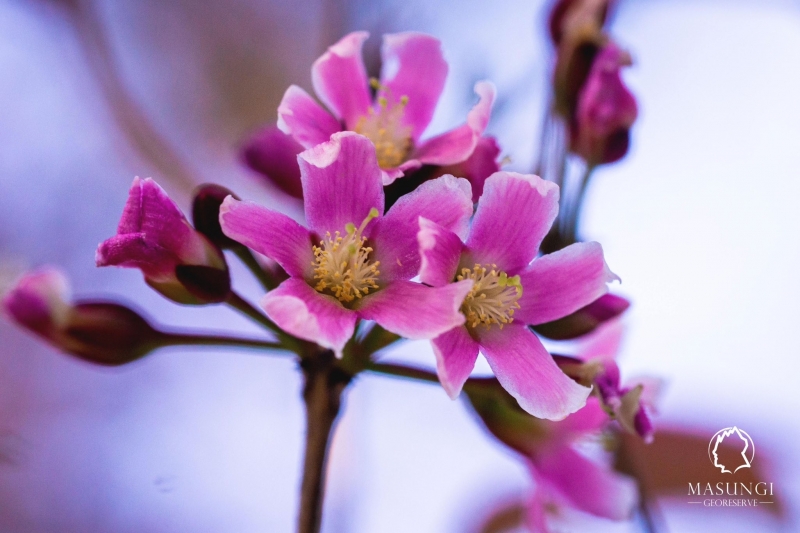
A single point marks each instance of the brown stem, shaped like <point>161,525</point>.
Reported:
<point>324,384</point>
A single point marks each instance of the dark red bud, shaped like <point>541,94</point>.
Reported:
<point>205,213</point>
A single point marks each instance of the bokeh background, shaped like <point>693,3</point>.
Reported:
<point>700,221</point>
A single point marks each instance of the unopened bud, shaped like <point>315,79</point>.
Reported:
<point>99,332</point>
<point>584,320</point>
<point>205,213</point>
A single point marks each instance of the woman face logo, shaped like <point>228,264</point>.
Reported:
<point>731,449</point>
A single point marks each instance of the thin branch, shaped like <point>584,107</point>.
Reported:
<point>187,339</point>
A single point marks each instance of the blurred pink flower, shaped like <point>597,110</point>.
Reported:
<point>155,237</point>
<point>412,79</point>
<point>363,260</point>
<point>564,477</point>
<point>100,332</point>
<point>600,130</point>
<point>509,292</point>
<point>595,365</point>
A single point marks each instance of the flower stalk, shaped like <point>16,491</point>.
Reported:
<point>324,384</point>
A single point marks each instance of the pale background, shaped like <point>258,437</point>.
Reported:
<point>700,221</point>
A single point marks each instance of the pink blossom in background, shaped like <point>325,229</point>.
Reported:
<point>565,477</point>
<point>412,79</point>
<point>513,216</point>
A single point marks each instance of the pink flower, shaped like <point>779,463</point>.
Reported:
<point>155,237</point>
<point>600,131</point>
<point>565,477</point>
<point>411,83</point>
<point>353,262</point>
<point>99,332</point>
<point>273,154</point>
<point>509,292</point>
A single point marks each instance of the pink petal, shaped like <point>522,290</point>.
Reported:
<point>560,283</point>
<point>440,250</point>
<point>415,311</point>
<point>305,313</point>
<point>589,486</point>
<point>536,516</point>
<point>136,250</point>
<point>483,162</point>
<point>269,233</point>
<point>446,201</point>
<point>303,118</point>
<point>457,145</point>
<point>391,174</point>
<point>273,154</point>
<point>591,418</point>
<point>604,342</point>
<point>413,66</point>
<point>514,214</point>
<point>528,372</point>
<point>456,353</point>
<point>341,182</point>
<point>340,79</point>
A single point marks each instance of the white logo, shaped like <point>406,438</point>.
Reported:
<point>737,439</point>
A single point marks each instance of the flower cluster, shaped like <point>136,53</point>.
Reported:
<point>406,237</point>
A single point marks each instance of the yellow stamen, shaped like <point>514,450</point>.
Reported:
<point>493,298</point>
<point>383,125</point>
<point>342,266</point>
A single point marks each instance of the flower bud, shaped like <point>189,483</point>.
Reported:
<point>205,214</point>
<point>568,16</point>
<point>273,154</point>
<point>98,332</point>
<point>584,320</point>
<point>606,110</point>
<point>155,237</point>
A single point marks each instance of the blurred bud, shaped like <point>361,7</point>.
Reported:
<point>568,16</point>
<point>205,213</point>
<point>155,237</point>
<point>504,418</point>
<point>600,129</point>
<point>484,161</point>
<point>273,154</point>
<point>574,58</point>
<point>584,320</point>
<point>98,332</point>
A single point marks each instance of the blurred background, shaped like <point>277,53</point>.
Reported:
<point>700,221</point>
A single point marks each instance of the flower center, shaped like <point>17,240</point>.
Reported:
<point>383,126</point>
<point>493,298</point>
<point>342,267</point>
